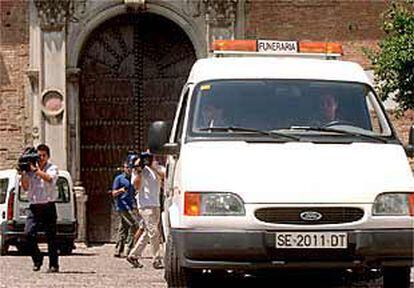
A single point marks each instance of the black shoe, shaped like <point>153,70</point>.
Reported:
<point>134,262</point>
<point>38,264</point>
<point>157,264</point>
<point>36,267</point>
<point>53,269</point>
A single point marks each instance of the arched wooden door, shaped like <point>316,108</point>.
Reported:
<point>132,71</point>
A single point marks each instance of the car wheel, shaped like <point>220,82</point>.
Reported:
<point>22,248</point>
<point>397,277</point>
<point>66,248</point>
<point>4,247</point>
<point>174,273</point>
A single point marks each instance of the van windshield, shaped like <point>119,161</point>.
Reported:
<point>285,106</point>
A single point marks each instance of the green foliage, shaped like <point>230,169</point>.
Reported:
<point>394,62</point>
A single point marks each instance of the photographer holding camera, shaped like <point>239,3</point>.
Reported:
<point>147,178</point>
<point>39,179</point>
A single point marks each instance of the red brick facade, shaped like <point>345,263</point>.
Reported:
<point>14,59</point>
<point>354,23</point>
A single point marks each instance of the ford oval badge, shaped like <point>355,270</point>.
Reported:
<point>310,216</point>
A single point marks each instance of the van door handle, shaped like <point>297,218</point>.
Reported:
<point>3,215</point>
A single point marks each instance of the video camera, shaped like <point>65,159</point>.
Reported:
<point>29,156</point>
<point>145,159</point>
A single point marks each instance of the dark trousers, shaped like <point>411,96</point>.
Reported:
<point>128,225</point>
<point>42,217</point>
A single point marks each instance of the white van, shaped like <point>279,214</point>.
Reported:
<point>13,213</point>
<point>281,179</point>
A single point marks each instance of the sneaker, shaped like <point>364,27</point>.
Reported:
<point>134,262</point>
<point>53,269</point>
<point>117,255</point>
<point>157,264</point>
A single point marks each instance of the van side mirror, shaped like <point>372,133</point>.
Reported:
<point>409,149</point>
<point>158,138</point>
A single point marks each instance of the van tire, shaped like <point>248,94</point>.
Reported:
<point>174,273</point>
<point>397,277</point>
<point>4,247</point>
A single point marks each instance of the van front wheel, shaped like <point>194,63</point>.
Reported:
<point>397,277</point>
<point>174,273</point>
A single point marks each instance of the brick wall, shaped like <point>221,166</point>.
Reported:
<point>354,23</point>
<point>14,57</point>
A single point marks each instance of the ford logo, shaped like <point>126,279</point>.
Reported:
<point>310,216</point>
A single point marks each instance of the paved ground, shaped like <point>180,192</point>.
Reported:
<point>95,267</point>
<point>87,267</point>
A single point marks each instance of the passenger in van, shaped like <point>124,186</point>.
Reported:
<point>40,183</point>
<point>211,116</point>
<point>330,107</point>
<point>125,205</point>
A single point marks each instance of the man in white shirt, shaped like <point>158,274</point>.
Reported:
<point>40,182</point>
<point>147,182</point>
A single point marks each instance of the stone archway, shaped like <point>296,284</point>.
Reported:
<point>132,70</point>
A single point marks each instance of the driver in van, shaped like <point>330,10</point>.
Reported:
<point>330,107</point>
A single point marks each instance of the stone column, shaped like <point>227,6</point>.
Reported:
<point>52,16</point>
<point>72,78</point>
<point>220,19</point>
<point>33,74</point>
<point>81,200</point>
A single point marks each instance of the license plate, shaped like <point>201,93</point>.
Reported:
<point>312,240</point>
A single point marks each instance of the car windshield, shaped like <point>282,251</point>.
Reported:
<point>285,106</point>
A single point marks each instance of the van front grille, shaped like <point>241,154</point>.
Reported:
<point>297,215</point>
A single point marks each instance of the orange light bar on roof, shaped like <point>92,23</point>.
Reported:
<point>320,47</point>
<point>277,47</point>
<point>234,45</point>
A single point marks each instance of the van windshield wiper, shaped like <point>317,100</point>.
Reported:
<point>327,129</point>
<point>251,130</point>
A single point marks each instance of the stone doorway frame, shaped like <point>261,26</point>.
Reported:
<point>76,38</point>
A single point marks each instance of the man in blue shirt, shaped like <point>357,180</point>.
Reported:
<point>126,206</point>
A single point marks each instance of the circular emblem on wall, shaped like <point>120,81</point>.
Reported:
<point>52,103</point>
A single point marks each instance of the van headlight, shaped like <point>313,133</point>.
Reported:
<point>394,204</point>
<point>213,204</point>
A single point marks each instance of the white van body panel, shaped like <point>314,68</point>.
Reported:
<point>276,68</point>
<point>65,211</point>
<point>296,172</point>
<point>10,175</point>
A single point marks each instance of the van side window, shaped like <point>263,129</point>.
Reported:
<point>62,187</point>
<point>4,183</point>
<point>63,191</point>
<point>180,124</point>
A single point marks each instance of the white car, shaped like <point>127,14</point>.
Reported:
<point>297,167</point>
<point>14,207</point>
